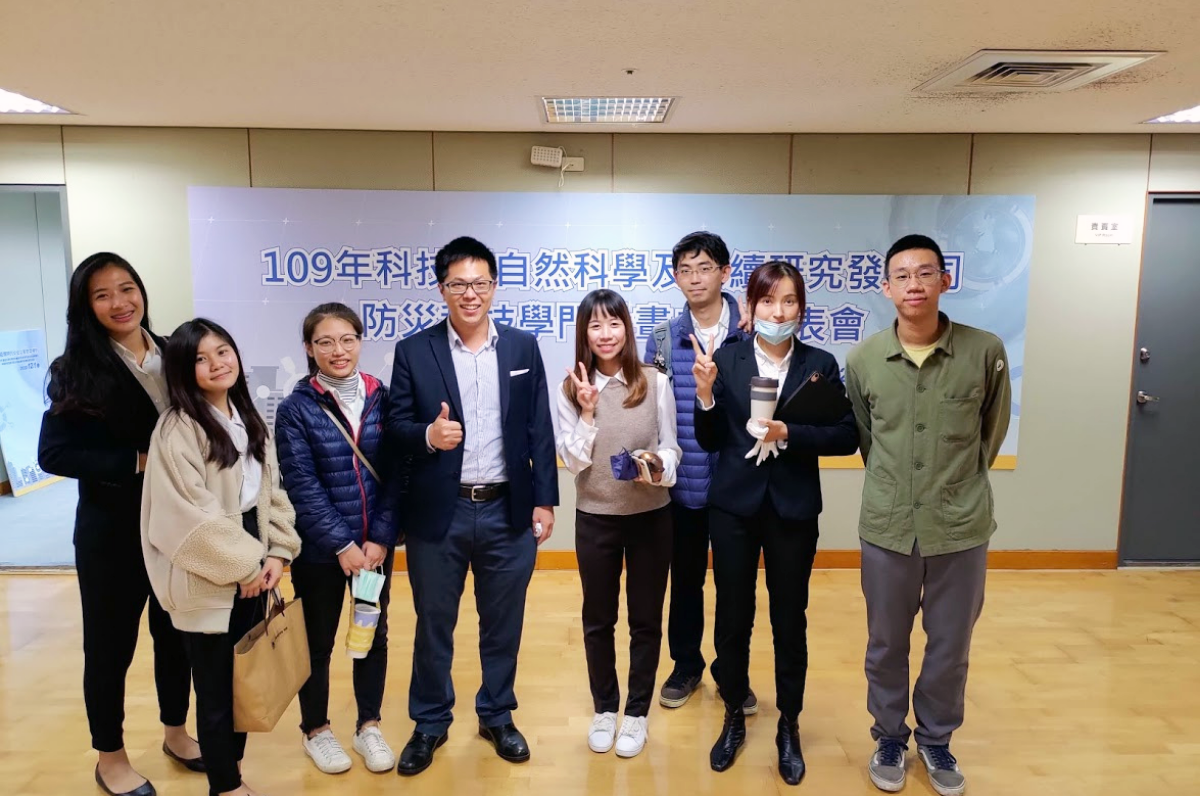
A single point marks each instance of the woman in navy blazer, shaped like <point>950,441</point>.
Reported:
<point>769,506</point>
<point>346,520</point>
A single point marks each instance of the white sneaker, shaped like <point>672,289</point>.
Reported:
<point>632,738</point>
<point>327,753</point>
<point>375,751</point>
<point>603,732</point>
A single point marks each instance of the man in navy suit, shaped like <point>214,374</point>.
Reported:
<point>469,402</point>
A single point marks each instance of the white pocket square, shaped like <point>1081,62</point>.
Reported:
<point>518,372</point>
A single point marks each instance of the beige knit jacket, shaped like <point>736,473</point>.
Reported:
<point>196,550</point>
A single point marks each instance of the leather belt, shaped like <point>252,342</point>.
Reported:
<point>482,493</point>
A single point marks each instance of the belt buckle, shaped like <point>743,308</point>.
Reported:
<point>475,487</point>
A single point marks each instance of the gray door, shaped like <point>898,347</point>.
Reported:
<point>1160,516</point>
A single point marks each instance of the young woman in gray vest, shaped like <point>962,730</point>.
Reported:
<point>611,406</point>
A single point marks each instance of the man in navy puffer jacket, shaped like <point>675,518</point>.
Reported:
<point>700,263</point>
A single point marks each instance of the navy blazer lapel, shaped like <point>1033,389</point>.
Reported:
<point>746,369</point>
<point>440,342</point>
<point>505,365</point>
<point>797,371</point>
<point>133,388</point>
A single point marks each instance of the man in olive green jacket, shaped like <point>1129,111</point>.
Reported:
<point>933,401</point>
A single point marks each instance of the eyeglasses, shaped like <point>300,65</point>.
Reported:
<point>481,287</point>
<point>926,277</point>
<point>348,342</point>
<point>705,270</point>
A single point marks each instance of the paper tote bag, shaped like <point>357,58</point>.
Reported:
<point>270,663</point>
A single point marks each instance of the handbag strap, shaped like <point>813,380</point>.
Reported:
<point>350,439</point>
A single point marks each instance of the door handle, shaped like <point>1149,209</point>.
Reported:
<point>1143,398</point>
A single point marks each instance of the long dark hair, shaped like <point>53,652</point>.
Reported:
<point>606,302</point>
<point>188,399</point>
<point>85,377</point>
<point>334,309</point>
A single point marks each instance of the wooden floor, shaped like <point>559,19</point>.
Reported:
<point>1081,683</point>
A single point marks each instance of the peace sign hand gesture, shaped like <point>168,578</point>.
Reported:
<point>585,392</point>
<point>704,369</point>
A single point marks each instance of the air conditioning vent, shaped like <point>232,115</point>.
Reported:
<point>1033,70</point>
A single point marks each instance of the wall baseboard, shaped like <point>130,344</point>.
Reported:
<point>849,559</point>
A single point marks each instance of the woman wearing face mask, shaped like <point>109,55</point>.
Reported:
<point>764,504</point>
<point>611,404</point>
<point>106,392</point>
<point>217,528</point>
<point>346,520</point>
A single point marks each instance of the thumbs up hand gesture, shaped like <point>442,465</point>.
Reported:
<point>445,434</point>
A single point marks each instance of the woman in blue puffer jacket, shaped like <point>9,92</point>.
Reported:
<point>346,518</point>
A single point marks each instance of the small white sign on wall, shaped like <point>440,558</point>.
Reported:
<point>1104,229</point>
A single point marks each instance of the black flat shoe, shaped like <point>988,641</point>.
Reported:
<point>145,789</point>
<point>791,759</point>
<point>195,764</point>
<point>509,742</point>
<point>418,753</point>
<point>733,737</point>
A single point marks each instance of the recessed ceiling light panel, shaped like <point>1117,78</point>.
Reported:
<point>1190,115</point>
<point>12,102</point>
<point>607,110</point>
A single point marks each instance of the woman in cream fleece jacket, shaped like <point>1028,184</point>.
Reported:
<point>217,528</point>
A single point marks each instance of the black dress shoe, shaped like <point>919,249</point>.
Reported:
<point>791,759</point>
<point>145,789</point>
<point>194,764</point>
<point>733,737</point>
<point>418,753</point>
<point>509,742</point>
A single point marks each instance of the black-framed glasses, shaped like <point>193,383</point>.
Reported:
<point>481,287</point>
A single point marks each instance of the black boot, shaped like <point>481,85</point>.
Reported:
<point>791,759</point>
<point>733,737</point>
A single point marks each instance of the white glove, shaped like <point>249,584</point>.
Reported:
<point>762,449</point>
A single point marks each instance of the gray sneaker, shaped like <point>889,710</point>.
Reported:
<point>750,706</point>
<point>887,765</point>
<point>678,690</point>
<point>944,775</point>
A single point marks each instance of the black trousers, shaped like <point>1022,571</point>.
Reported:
<point>211,656</point>
<point>113,590</point>
<point>321,589</point>
<point>642,542</point>
<point>788,548</point>
<point>689,568</point>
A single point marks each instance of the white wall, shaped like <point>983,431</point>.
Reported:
<point>127,191</point>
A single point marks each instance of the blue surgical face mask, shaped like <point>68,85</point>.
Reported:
<point>775,333</point>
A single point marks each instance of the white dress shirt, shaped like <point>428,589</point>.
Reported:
<point>478,374</point>
<point>769,368</point>
<point>576,438</point>
<point>716,333</point>
<point>149,374</point>
<point>252,470</point>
